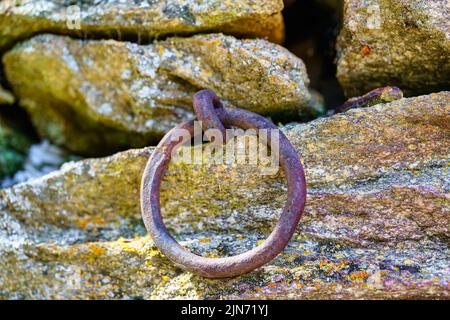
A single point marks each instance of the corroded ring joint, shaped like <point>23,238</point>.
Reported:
<point>206,105</point>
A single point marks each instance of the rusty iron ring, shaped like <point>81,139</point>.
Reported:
<point>247,261</point>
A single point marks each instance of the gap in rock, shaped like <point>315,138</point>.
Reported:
<point>42,156</point>
<point>312,27</point>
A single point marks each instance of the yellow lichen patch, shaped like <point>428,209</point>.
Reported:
<point>212,255</point>
<point>260,242</point>
<point>359,275</point>
<point>95,251</point>
<point>291,258</point>
<point>408,262</point>
<point>135,246</point>
<point>205,240</point>
<point>339,255</point>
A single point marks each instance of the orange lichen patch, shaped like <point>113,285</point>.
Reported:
<point>359,275</point>
<point>96,251</point>
<point>271,285</point>
<point>205,240</point>
<point>93,221</point>
<point>330,267</point>
<point>258,289</point>
<point>366,50</point>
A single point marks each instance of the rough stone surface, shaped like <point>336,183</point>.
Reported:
<point>95,97</point>
<point>6,97</point>
<point>376,223</point>
<point>139,20</point>
<point>404,43</point>
<point>14,145</point>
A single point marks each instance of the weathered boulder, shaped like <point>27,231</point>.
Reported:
<point>95,97</point>
<point>139,20</point>
<point>6,97</point>
<point>14,145</point>
<point>404,43</point>
<point>376,223</point>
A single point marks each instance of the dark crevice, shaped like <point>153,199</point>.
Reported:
<point>311,33</point>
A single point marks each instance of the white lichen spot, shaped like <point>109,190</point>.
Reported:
<point>105,109</point>
<point>150,123</point>
<point>144,93</point>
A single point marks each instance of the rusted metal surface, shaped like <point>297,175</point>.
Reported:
<point>207,106</point>
<point>376,96</point>
<point>209,110</point>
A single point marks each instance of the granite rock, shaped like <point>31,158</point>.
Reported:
<point>139,20</point>
<point>403,43</point>
<point>376,224</point>
<point>95,97</point>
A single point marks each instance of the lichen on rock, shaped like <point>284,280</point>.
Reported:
<point>95,97</point>
<point>403,43</point>
<point>376,223</point>
<point>139,20</point>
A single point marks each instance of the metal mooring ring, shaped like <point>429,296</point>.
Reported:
<point>247,261</point>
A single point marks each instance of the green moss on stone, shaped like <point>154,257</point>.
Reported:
<point>14,145</point>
